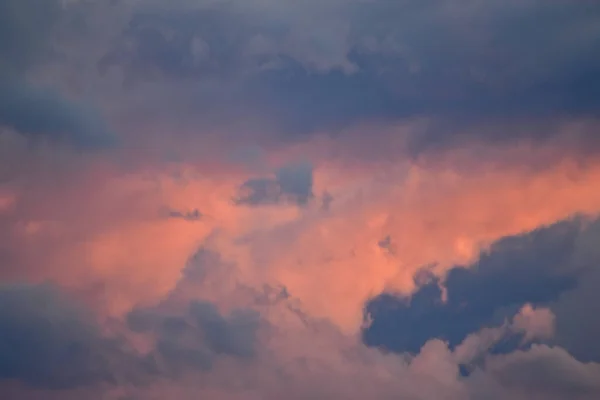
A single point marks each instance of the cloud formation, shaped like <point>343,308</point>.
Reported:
<point>540,268</point>
<point>49,343</point>
<point>305,200</point>
<point>316,66</point>
<point>292,183</point>
<point>25,40</point>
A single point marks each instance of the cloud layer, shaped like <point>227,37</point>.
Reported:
<point>266,199</point>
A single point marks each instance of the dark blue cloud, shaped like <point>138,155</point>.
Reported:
<point>534,268</point>
<point>38,112</point>
<point>47,342</point>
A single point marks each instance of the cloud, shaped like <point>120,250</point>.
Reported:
<point>45,113</point>
<point>315,66</point>
<point>25,26</point>
<point>546,371</point>
<point>198,335</point>
<point>534,268</point>
<point>49,343</point>
<point>575,311</point>
<point>306,356</point>
<point>440,136</point>
<point>28,28</point>
<point>292,183</point>
<point>535,322</point>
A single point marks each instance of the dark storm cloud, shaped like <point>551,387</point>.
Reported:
<point>327,65</point>
<point>26,30</point>
<point>536,268</point>
<point>292,183</point>
<point>46,342</point>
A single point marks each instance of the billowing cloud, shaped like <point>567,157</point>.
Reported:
<point>325,65</point>
<point>305,200</point>
<point>543,268</point>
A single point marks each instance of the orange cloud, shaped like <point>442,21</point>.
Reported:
<point>103,229</point>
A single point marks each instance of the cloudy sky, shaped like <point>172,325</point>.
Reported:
<point>299,199</point>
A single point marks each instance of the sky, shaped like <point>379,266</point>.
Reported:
<point>299,200</point>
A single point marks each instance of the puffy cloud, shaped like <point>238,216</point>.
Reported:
<point>550,268</point>
<point>533,268</point>
<point>445,138</point>
<point>535,322</point>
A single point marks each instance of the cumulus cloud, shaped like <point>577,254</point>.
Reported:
<point>438,241</point>
<point>542,268</point>
<point>535,322</point>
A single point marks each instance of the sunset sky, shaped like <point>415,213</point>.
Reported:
<point>299,199</point>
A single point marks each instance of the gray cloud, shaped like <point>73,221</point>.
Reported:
<point>233,335</point>
<point>45,113</point>
<point>316,66</point>
<point>546,371</point>
<point>195,337</point>
<point>24,29</point>
<point>46,342</point>
<point>492,71</point>
<point>27,28</point>
<point>292,183</point>
<point>577,324</point>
